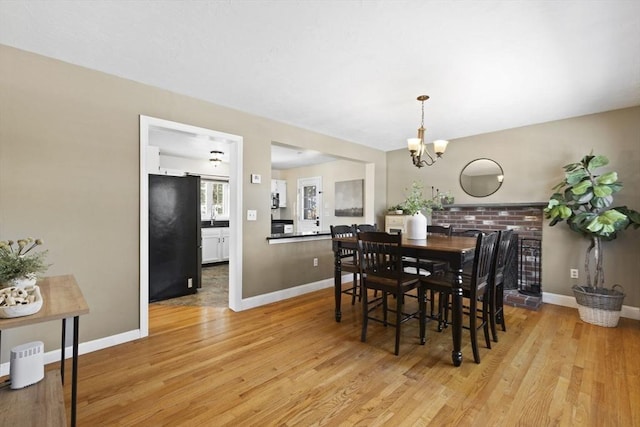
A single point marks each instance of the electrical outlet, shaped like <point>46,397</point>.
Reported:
<point>315,262</point>
<point>190,282</point>
<point>252,215</point>
<point>573,273</point>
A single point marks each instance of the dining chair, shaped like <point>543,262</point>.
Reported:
<point>365,227</point>
<point>431,267</point>
<point>348,260</point>
<point>467,233</point>
<point>381,269</point>
<point>440,229</point>
<point>475,289</point>
<point>496,296</point>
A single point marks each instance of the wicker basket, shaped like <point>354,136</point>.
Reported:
<point>599,306</point>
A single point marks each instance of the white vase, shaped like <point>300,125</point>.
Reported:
<point>417,227</point>
<point>23,282</point>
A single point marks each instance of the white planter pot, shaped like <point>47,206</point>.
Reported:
<point>23,282</point>
<point>417,227</point>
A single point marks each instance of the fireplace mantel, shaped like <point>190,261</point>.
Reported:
<point>496,205</point>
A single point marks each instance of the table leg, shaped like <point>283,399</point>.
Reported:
<point>456,313</point>
<point>74,379</point>
<point>62,347</point>
<point>337,284</point>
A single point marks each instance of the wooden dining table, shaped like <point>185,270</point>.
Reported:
<point>458,251</point>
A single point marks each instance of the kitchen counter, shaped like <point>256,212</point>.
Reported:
<point>282,221</point>
<point>214,223</point>
<point>298,237</point>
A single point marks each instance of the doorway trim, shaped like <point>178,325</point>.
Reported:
<point>235,213</point>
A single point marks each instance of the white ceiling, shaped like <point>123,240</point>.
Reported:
<point>177,143</point>
<point>353,69</point>
<point>285,157</point>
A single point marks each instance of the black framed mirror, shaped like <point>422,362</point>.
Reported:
<point>481,177</point>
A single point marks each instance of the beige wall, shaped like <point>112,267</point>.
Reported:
<point>532,158</point>
<point>331,172</point>
<point>69,162</point>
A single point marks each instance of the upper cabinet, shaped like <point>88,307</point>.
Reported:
<point>279,190</point>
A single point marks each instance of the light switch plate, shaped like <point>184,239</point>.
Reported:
<point>252,215</point>
<point>255,178</point>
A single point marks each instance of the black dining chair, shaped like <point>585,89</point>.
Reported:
<point>496,296</point>
<point>431,267</point>
<point>365,227</point>
<point>440,229</point>
<point>348,260</point>
<point>475,290</point>
<point>467,233</point>
<point>381,269</point>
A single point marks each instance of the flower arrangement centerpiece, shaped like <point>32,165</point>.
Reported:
<point>19,263</point>
<point>417,202</point>
<point>416,205</point>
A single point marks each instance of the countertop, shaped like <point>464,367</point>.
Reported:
<point>282,221</point>
<point>214,223</point>
<point>304,235</point>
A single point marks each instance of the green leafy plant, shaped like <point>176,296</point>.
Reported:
<point>417,202</point>
<point>584,200</point>
<point>17,259</point>
<point>446,198</point>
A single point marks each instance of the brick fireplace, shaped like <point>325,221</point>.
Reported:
<point>525,219</point>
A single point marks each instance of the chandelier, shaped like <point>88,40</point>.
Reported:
<point>216,158</point>
<point>418,148</point>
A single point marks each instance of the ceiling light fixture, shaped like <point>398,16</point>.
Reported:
<point>418,148</point>
<point>216,157</point>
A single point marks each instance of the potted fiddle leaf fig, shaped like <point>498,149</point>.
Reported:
<point>584,200</point>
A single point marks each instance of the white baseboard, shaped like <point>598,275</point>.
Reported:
<point>83,348</point>
<point>569,301</point>
<point>276,296</point>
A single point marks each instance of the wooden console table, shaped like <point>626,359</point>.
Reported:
<point>62,299</point>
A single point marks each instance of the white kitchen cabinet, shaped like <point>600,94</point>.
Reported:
<point>224,244</point>
<point>215,244</point>
<point>280,186</point>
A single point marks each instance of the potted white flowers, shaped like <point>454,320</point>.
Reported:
<point>19,263</point>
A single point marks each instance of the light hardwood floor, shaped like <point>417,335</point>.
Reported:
<point>291,364</point>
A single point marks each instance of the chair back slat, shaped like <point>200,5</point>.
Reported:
<point>483,263</point>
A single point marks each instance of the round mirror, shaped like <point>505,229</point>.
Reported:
<point>481,177</point>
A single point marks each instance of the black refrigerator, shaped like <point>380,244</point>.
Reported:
<point>175,266</point>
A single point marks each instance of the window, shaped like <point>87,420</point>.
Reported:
<point>214,199</point>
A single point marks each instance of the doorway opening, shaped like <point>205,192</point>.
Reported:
<point>310,203</point>
<point>147,163</point>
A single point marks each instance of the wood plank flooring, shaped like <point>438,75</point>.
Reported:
<point>291,364</point>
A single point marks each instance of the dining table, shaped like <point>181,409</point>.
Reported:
<point>457,251</point>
